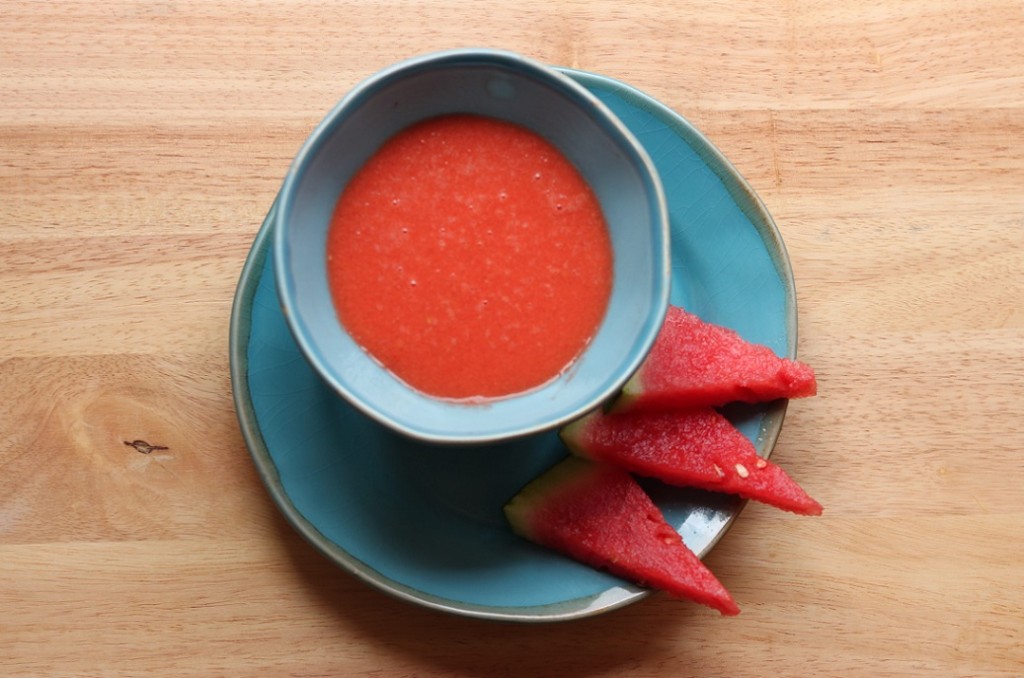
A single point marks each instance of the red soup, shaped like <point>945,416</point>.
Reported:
<point>470,258</point>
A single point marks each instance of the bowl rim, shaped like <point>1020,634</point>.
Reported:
<point>319,137</point>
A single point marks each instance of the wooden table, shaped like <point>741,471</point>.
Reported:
<point>142,143</point>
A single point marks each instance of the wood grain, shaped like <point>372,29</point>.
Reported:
<point>140,147</point>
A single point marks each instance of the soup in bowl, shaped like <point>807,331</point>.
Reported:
<point>470,247</point>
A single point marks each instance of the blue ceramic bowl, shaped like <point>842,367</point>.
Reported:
<point>513,88</point>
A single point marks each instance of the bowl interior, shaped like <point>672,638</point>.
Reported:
<point>510,88</point>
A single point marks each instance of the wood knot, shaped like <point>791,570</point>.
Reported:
<point>144,447</point>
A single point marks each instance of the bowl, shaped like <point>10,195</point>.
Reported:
<point>512,88</point>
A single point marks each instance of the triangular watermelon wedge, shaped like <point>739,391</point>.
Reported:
<point>698,364</point>
<point>600,516</point>
<point>690,448</point>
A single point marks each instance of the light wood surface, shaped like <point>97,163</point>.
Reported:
<point>141,143</point>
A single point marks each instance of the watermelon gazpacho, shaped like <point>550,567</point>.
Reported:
<point>694,363</point>
<point>470,258</point>
<point>599,515</point>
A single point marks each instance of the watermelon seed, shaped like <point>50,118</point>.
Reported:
<point>742,471</point>
<point>719,471</point>
<point>761,463</point>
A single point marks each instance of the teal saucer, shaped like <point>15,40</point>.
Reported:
<point>425,523</point>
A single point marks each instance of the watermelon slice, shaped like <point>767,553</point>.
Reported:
<point>599,515</point>
<point>691,448</point>
<point>697,364</point>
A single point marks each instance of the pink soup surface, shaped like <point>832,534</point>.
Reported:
<point>470,258</point>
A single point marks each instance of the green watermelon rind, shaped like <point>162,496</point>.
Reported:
<point>571,434</point>
<point>555,479</point>
<point>630,393</point>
